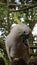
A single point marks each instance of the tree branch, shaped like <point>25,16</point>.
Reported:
<point>28,7</point>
